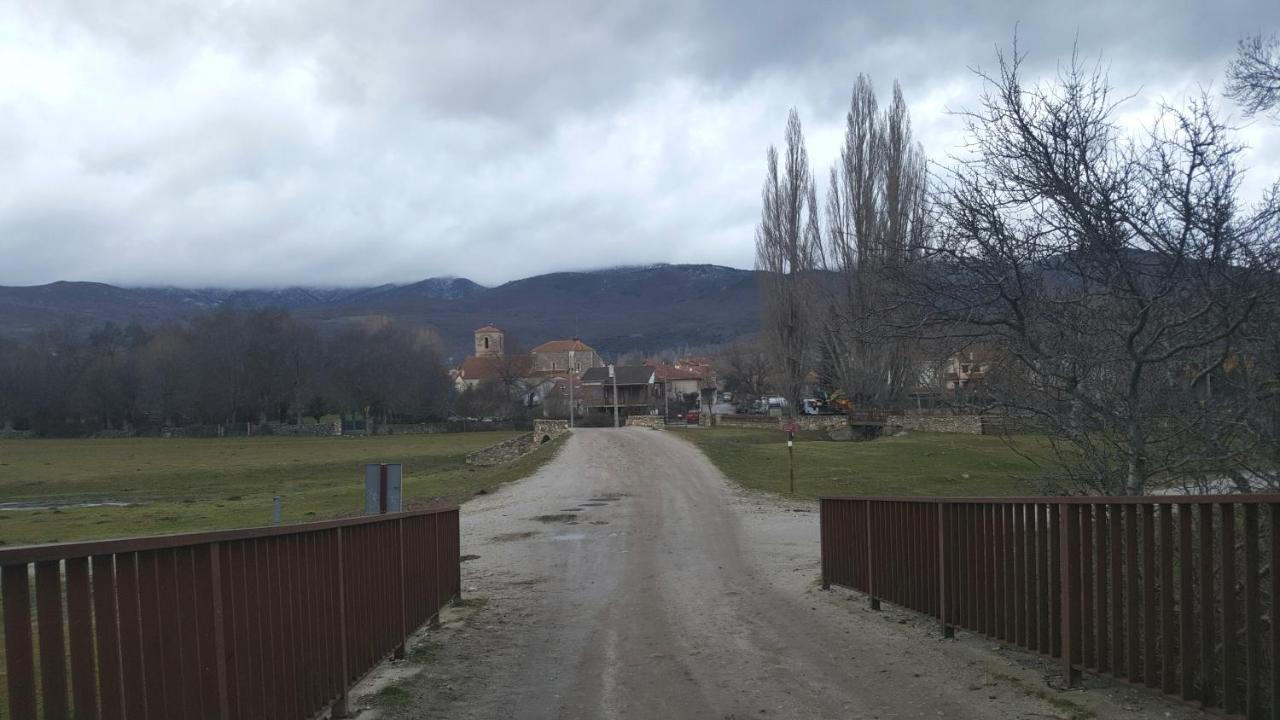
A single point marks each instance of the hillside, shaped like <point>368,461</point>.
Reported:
<point>616,310</point>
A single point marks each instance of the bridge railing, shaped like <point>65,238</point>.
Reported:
<point>274,622</point>
<point>1178,593</point>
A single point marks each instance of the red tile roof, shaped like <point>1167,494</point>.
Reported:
<point>663,371</point>
<point>493,368</point>
<point>563,346</point>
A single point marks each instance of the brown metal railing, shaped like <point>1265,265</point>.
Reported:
<point>1173,593</point>
<point>274,622</point>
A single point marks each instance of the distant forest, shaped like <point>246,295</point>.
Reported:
<point>229,366</point>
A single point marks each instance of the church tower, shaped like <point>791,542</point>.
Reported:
<point>489,342</point>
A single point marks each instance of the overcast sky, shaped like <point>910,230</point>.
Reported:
<point>344,143</point>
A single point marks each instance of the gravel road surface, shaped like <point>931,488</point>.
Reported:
<point>629,579</point>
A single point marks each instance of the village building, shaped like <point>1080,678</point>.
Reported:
<point>539,378</point>
<point>559,355</point>
<point>634,393</point>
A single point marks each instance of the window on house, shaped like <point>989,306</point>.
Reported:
<point>486,343</point>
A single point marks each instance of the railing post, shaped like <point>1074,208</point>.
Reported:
<point>341,708</point>
<point>219,629</point>
<point>404,624</point>
<point>19,655</point>
<point>1069,566</point>
<point>944,587</point>
<point>871,568</point>
<point>824,544</point>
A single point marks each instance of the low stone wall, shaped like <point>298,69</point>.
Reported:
<point>312,430</point>
<point>507,450</point>
<point>649,421</point>
<point>822,422</point>
<point>804,422</point>
<point>192,431</point>
<point>958,424</point>
<point>113,434</point>
<point>550,428</point>
<point>747,421</point>
<point>16,434</point>
<point>409,428</point>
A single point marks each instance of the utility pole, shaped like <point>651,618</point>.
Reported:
<point>570,389</point>
<point>613,373</point>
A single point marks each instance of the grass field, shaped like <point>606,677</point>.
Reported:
<point>914,464</point>
<point>202,484</point>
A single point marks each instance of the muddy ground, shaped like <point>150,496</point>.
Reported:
<point>629,579</point>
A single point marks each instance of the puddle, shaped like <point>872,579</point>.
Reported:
<point>508,537</point>
<point>593,504</point>
<point>571,510</point>
<point>607,498</point>
<point>61,504</point>
<point>561,517</point>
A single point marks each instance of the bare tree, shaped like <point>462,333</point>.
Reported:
<point>1116,278</point>
<point>788,245</point>
<point>875,219</point>
<point>744,366</point>
<point>1253,77</point>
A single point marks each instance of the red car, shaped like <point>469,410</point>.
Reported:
<point>692,417</point>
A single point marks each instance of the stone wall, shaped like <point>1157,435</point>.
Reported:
<point>305,430</point>
<point>6,434</point>
<point>113,434</point>
<point>506,451</point>
<point>747,421</point>
<point>192,431</point>
<point>409,428</point>
<point>550,428</point>
<point>649,421</point>
<point>959,424</point>
<point>822,422</point>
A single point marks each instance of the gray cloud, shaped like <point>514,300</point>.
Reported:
<point>348,143</point>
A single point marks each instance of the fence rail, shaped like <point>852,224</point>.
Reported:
<point>1174,593</point>
<point>273,622</point>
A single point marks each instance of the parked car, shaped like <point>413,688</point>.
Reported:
<point>693,417</point>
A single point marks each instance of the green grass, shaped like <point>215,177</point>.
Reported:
<point>183,485</point>
<point>915,464</point>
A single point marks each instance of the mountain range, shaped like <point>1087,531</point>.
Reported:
<point>616,310</point>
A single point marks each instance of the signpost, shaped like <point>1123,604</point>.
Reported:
<point>613,374</point>
<point>382,488</point>
<point>790,428</point>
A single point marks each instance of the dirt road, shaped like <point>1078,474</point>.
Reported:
<point>628,579</point>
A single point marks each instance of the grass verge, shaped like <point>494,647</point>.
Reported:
<point>913,464</point>
<point>206,484</point>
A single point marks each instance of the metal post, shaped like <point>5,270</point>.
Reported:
<point>570,389</point>
<point>382,488</point>
<point>219,628</point>
<point>871,554</point>
<point>341,707</point>
<point>944,587</point>
<point>613,373</point>
<point>277,509</point>
<point>1069,567</point>
<point>791,458</point>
